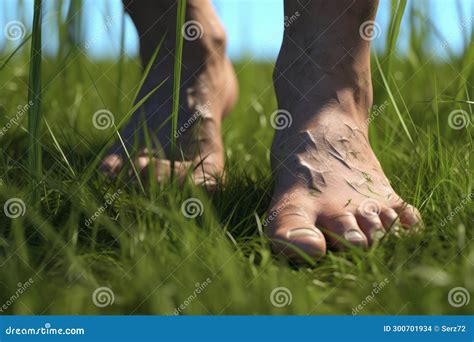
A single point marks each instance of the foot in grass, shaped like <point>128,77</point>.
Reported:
<point>207,93</point>
<point>330,189</point>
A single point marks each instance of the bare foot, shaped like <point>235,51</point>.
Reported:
<point>330,189</point>
<point>208,92</point>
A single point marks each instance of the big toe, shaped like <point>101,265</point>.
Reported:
<point>293,234</point>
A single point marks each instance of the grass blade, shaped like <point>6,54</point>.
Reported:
<point>392,98</point>
<point>393,32</point>
<point>34,98</point>
<point>177,79</point>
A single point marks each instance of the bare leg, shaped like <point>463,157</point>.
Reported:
<point>327,175</point>
<point>208,90</point>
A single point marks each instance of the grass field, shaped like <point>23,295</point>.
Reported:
<point>82,241</point>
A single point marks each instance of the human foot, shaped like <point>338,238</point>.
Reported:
<point>330,190</point>
<point>208,92</point>
<point>327,176</point>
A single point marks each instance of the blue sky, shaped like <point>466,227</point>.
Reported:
<point>254,28</point>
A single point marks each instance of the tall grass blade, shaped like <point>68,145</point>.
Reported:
<point>392,98</point>
<point>394,30</point>
<point>34,100</point>
<point>177,79</point>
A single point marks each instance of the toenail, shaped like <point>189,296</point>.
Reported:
<point>377,234</point>
<point>354,235</point>
<point>303,232</point>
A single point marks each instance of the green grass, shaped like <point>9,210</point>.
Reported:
<point>151,256</point>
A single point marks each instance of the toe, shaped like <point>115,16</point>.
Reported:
<point>292,231</point>
<point>389,218</point>
<point>341,230</point>
<point>111,164</point>
<point>408,214</point>
<point>371,225</point>
<point>299,243</point>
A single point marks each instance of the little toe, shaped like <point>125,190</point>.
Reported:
<point>342,229</point>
